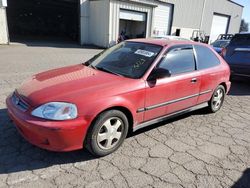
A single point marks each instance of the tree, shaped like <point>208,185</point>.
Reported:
<point>244,26</point>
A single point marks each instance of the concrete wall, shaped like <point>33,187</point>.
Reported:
<point>3,3</point>
<point>94,22</point>
<point>84,22</point>
<point>99,23</point>
<point>187,13</point>
<point>4,39</point>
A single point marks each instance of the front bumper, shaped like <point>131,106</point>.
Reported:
<point>51,135</point>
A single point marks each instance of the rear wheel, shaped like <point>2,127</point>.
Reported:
<point>217,99</point>
<point>107,133</point>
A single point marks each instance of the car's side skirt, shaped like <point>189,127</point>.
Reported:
<point>172,101</point>
<point>172,115</point>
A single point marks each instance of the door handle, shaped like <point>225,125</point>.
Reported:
<point>194,80</point>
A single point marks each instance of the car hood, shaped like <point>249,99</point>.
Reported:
<point>65,84</point>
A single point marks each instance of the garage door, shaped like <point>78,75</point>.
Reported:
<point>162,19</point>
<point>219,26</point>
<point>132,24</point>
<point>41,20</point>
<point>132,15</point>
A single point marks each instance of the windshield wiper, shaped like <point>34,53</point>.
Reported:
<point>92,66</point>
<point>86,63</point>
<point>107,70</point>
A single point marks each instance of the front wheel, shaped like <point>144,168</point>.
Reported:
<point>217,99</point>
<point>107,133</point>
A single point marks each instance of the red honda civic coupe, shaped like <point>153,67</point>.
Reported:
<point>129,86</point>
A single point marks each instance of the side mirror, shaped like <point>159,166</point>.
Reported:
<point>158,73</point>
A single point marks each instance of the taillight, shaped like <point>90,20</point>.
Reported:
<point>223,52</point>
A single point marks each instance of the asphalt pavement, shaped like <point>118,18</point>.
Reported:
<point>194,150</point>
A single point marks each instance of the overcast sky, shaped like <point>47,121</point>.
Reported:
<point>246,11</point>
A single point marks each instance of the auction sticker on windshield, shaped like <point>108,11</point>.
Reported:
<point>144,53</point>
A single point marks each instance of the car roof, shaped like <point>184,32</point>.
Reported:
<point>162,42</point>
<point>170,37</point>
<point>243,33</point>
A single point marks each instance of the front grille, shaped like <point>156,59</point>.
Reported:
<point>19,103</point>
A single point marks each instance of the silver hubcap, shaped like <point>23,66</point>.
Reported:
<point>110,133</point>
<point>218,97</point>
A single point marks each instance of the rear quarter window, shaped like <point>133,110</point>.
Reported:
<point>205,57</point>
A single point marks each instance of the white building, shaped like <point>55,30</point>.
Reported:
<point>100,22</point>
<point>4,38</point>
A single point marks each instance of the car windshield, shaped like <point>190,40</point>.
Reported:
<point>220,43</point>
<point>241,40</point>
<point>129,59</point>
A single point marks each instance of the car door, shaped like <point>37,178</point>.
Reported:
<point>210,73</point>
<point>238,55</point>
<point>177,92</point>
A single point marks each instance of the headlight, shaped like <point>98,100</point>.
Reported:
<point>56,111</point>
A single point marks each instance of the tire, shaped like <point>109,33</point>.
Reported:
<point>215,103</point>
<point>107,133</point>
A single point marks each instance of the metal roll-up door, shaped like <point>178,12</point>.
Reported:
<point>219,26</point>
<point>162,19</point>
<point>132,15</point>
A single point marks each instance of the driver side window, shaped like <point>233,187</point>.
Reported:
<point>179,60</point>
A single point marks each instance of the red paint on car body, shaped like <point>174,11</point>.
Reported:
<point>94,91</point>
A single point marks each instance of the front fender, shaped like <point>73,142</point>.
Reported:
<point>130,101</point>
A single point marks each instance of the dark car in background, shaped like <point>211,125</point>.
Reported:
<point>218,45</point>
<point>237,55</point>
